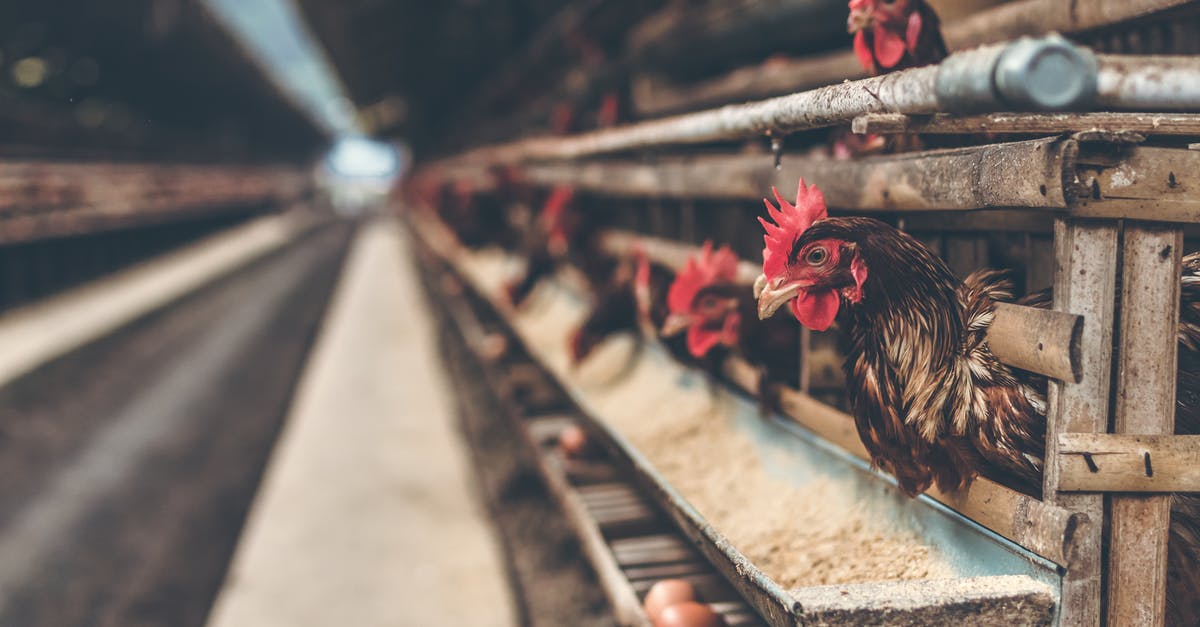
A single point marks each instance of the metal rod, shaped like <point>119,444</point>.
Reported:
<point>1045,74</point>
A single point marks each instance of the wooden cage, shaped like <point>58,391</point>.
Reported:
<point>1095,203</point>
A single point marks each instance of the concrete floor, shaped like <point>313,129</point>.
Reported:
<point>367,515</point>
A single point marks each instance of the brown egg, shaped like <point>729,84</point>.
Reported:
<point>666,593</point>
<point>574,442</point>
<point>689,614</point>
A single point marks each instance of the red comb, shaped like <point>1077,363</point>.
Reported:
<point>701,270</point>
<point>789,222</point>
<point>552,211</point>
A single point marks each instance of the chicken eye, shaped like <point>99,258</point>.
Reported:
<point>816,256</point>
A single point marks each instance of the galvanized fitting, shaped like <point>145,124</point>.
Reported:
<point>1030,74</point>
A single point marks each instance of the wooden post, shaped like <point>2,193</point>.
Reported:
<point>1145,404</point>
<point>1084,284</point>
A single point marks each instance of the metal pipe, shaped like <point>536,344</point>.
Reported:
<point>1043,74</point>
<point>1149,83</point>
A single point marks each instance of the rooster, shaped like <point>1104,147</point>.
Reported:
<point>718,316</point>
<point>895,35</point>
<point>931,403</point>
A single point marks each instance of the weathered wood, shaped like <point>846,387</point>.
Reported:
<point>1025,17</point>
<point>1016,174</point>
<point>1092,462</point>
<point>1186,124</point>
<point>1037,340</point>
<point>1085,285</point>
<point>1140,182</point>
<point>987,601</point>
<point>656,95</point>
<point>673,255</point>
<point>41,199</point>
<point>1145,404</point>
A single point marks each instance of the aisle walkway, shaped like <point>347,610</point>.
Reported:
<point>366,515</point>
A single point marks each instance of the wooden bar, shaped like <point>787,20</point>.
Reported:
<point>1145,404</point>
<point>1085,285</point>
<point>42,199</point>
<point>1037,340</point>
<point>1016,174</point>
<point>1139,182</point>
<point>1185,124</point>
<point>1093,462</point>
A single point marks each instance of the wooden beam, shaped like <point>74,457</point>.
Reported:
<point>40,199</point>
<point>1017,174</point>
<point>1139,182</point>
<point>1084,285</point>
<point>1186,124</point>
<point>1094,462</point>
<point>1145,404</point>
<point>1037,340</point>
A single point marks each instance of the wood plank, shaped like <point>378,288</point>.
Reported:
<point>1145,404</point>
<point>1037,340</point>
<point>1014,174</point>
<point>1091,462</point>
<point>1085,285</point>
<point>1145,183</point>
<point>1186,124</point>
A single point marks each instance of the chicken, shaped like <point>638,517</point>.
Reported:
<point>635,300</point>
<point>718,315</point>
<point>932,404</point>
<point>895,35</point>
<point>550,239</point>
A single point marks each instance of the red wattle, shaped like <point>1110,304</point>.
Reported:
<point>863,51</point>
<point>700,340</point>
<point>889,48</point>
<point>816,310</point>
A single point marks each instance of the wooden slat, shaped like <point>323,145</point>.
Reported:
<point>1084,285</point>
<point>1092,462</point>
<point>1187,124</point>
<point>1145,405</point>
<point>1037,340</point>
<point>1145,183</point>
<point>1015,174</point>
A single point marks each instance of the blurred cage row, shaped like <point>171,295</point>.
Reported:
<point>1051,140</point>
<point>582,184</point>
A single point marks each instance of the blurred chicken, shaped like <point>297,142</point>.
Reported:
<point>718,315</point>
<point>931,402</point>
<point>895,35</point>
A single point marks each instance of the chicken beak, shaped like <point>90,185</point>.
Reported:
<point>771,297</point>
<point>858,20</point>
<point>675,324</point>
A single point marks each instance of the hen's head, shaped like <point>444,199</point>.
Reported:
<point>804,268</point>
<point>883,30</point>
<point>703,301</point>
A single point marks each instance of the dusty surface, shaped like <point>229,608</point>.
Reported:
<point>799,535</point>
<point>367,514</point>
<point>127,467</point>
